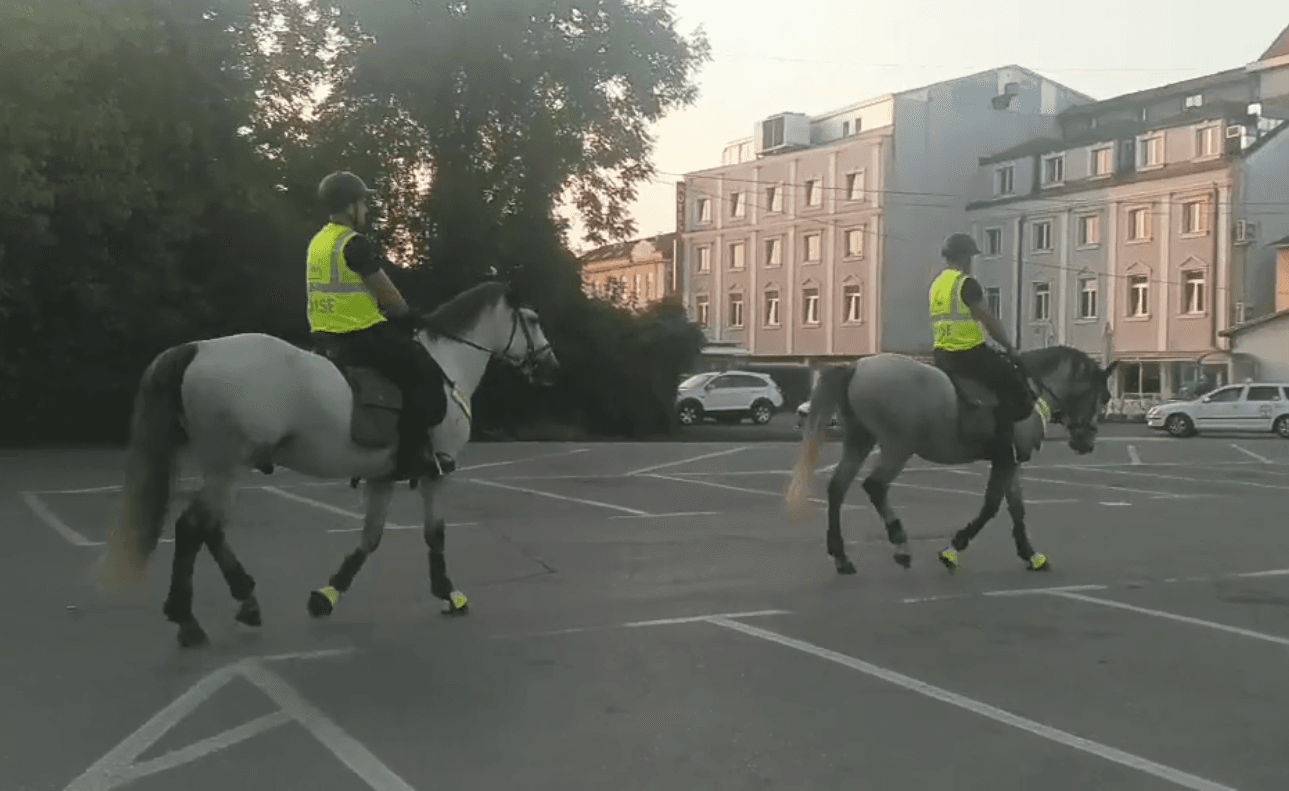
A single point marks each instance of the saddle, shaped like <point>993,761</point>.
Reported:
<point>977,408</point>
<point>377,401</point>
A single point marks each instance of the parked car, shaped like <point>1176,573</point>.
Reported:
<point>803,412</point>
<point>728,396</point>
<point>1251,406</point>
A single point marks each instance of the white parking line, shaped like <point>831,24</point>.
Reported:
<point>553,496</point>
<point>726,452</point>
<point>1161,476</point>
<point>983,709</point>
<point>663,516</point>
<point>642,624</point>
<point>1270,638</point>
<point>328,507</point>
<point>1251,454</point>
<point>1134,455</point>
<point>1110,487</point>
<point>52,521</point>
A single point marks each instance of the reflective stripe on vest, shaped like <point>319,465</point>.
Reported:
<point>338,300</point>
<point>952,324</point>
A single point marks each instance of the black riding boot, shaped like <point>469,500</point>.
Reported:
<point>415,457</point>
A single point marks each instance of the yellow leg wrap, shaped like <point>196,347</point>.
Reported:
<point>331,593</point>
<point>456,601</point>
<point>949,557</point>
<point>1038,560</point>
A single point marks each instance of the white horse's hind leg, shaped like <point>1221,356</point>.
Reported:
<point>454,601</point>
<point>202,523</point>
<point>377,496</point>
<point>890,463</point>
<point>856,447</point>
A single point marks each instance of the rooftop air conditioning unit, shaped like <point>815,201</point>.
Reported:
<point>782,132</point>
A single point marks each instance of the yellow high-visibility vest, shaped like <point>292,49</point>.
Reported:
<point>953,326</point>
<point>338,300</point>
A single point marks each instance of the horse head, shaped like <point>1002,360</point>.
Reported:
<point>1077,385</point>
<point>488,318</point>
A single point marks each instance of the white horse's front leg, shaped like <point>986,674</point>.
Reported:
<point>377,496</point>
<point>454,601</point>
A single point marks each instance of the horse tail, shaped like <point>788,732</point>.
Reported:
<point>828,396</point>
<point>156,434</point>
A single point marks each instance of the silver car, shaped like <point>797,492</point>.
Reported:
<point>1251,406</point>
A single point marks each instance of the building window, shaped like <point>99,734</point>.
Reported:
<point>1054,170</point>
<point>1194,296</point>
<point>639,294</point>
<point>701,309</point>
<point>1089,230</point>
<point>704,258</point>
<point>1194,100</point>
<point>855,186</point>
<point>649,287</point>
<point>1042,302</point>
<point>704,209</point>
<point>994,301</point>
<point>855,243</point>
<point>1005,180</point>
<point>1138,224</point>
<point>736,310</point>
<point>773,252</point>
<point>1152,151</point>
<point>993,241</point>
<point>814,195</point>
<point>1043,235</point>
<point>736,204</point>
<point>1141,379</point>
<point>1138,296</point>
<point>1103,161</point>
<point>1088,298</point>
<point>811,252</point>
<point>859,124</point>
<point>738,255</point>
<point>772,308</point>
<point>845,128</point>
<point>810,305</point>
<point>850,302</point>
<point>1195,217</point>
<point>1207,140</point>
<point>773,199</point>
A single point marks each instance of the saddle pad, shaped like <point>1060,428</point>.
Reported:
<point>377,402</point>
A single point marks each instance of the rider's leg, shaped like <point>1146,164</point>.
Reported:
<point>998,373</point>
<point>422,386</point>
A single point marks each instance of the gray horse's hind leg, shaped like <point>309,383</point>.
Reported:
<point>377,495</point>
<point>1000,479</point>
<point>1034,561</point>
<point>878,487</point>
<point>855,449</point>
<point>202,523</point>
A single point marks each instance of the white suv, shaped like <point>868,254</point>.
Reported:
<point>728,396</point>
<point>1252,406</point>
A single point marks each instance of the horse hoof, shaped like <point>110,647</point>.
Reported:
<point>1038,562</point>
<point>456,604</point>
<point>904,559</point>
<point>249,613</point>
<point>845,567</point>
<point>322,602</point>
<point>191,635</point>
<point>949,559</point>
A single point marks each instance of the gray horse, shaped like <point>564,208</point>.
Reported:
<point>911,408</point>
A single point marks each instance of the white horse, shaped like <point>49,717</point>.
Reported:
<point>253,400</point>
<point>910,408</point>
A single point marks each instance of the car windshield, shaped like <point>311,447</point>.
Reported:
<point>694,380</point>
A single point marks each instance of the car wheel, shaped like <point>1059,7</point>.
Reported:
<point>1179,425</point>
<point>1282,426</point>
<point>689,413</point>
<point>761,413</point>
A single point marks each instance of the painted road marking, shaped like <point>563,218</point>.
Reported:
<point>663,516</point>
<point>1270,638</point>
<point>1251,454</point>
<point>120,766</point>
<point>52,521</point>
<point>1161,476</point>
<point>1106,752</point>
<point>726,452</point>
<point>553,496</point>
<point>328,507</point>
<point>644,624</point>
<point>1133,455</point>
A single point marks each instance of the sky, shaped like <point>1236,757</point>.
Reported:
<point>812,56</point>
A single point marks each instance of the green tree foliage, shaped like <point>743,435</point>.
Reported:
<point>160,159</point>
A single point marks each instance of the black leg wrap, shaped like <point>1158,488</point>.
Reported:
<point>836,547</point>
<point>876,493</point>
<point>349,567</point>
<point>240,583</point>
<point>440,585</point>
<point>895,532</point>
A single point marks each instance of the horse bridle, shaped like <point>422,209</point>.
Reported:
<point>526,364</point>
<point>1084,425</point>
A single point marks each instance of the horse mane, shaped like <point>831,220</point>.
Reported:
<point>458,314</point>
<point>1042,362</point>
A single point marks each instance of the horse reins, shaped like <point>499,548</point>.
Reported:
<point>525,364</point>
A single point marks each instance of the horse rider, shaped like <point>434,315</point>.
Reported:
<point>960,348</point>
<point>348,290</point>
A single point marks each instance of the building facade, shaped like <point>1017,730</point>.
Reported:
<point>817,238</point>
<point>638,272</point>
<point>1130,234</point>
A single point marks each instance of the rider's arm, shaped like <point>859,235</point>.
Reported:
<point>361,256</point>
<point>974,298</point>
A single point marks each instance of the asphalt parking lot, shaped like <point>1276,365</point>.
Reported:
<point>643,616</point>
